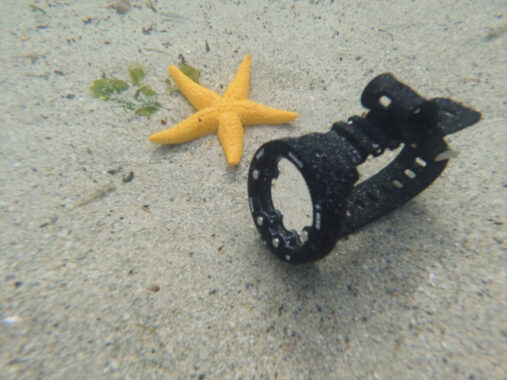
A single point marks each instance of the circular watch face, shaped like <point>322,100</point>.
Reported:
<point>294,187</point>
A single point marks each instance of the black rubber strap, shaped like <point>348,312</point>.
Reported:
<point>407,119</point>
<point>404,178</point>
<point>453,116</point>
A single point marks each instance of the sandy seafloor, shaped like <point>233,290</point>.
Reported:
<point>418,294</point>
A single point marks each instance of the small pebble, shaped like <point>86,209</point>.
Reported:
<point>11,320</point>
<point>129,177</point>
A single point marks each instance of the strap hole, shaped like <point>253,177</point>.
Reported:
<point>385,101</point>
<point>409,173</point>
<point>419,161</point>
<point>397,184</point>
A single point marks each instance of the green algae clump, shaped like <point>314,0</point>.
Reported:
<point>106,88</point>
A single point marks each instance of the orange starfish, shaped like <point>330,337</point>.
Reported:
<point>227,115</point>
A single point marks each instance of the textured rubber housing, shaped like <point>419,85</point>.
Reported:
<point>328,176</point>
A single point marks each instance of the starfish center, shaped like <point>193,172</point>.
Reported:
<point>224,105</point>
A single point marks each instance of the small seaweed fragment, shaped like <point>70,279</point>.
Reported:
<point>190,71</point>
<point>145,91</point>
<point>105,88</point>
<point>126,104</point>
<point>171,87</point>
<point>35,8</point>
<point>98,193</point>
<point>136,73</point>
<point>148,109</point>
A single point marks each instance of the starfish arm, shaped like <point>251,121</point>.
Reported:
<point>199,124</point>
<point>199,96</point>
<point>230,132</point>
<point>252,113</point>
<point>239,87</point>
